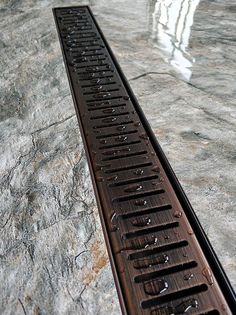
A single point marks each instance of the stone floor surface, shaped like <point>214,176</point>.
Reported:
<point>180,59</point>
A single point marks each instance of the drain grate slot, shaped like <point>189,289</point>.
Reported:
<point>166,271</point>
<point>120,144</point>
<point>105,107</point>
<point>160,249</point>
<point>105,116</point>
<point>134,180</point>
<point>95,84</point>
<point>122,156</point>
<point>128,167</point>
<point>117,134</point>
<point>162,262</point>
<point>147,211</point>
<point>173,296</point>
<point>113,125</point>
<point>135,196</point>
<point>105,90</point>
<point>152,230</point>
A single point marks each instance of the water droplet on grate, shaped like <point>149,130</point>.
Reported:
<point>114,222</point>
<point>144,242</point>
<point>156,169</point>
<point>133,188</point>
<point>112,178</point>
<point>109,111</point>
<point>182,308</point>
<point>138,171</point>
<point>140,202</point>
<point>149,262</point>
<point>120,128</point>
<point>144,136</point>
<point>208,275</point>
<point>116,151</point>
<point>188,276</point>
<point>121,138</point>
<point>103,141</point>
<point>97,88</point>
<point>95,81</point>
<point>155,184</point>
<point>177,214</point>
<point>109,119</point>
<point>98,167</point>
<point>143,221</point>
<point>155,287</point>
<point>185,306</point>
<point>101,95</point>
<point>126,98</point>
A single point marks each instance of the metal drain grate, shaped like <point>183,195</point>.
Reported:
<point>161,260</point>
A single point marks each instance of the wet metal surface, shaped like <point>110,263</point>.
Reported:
<point>51,241</point>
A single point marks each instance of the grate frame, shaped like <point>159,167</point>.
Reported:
<point>124,284</point>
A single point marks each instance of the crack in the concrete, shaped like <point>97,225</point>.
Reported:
<point>91,234</point>
<point>50,279</point>
<point>30,250</point>
<point>56,194</point>
<point>53,124</point>
<point>22,305</point>
<point>8,177</point>
<point>7,220</point>
<point>13,247</point>
<point>72,193</point>
<point>33,142</point>
<point>219,119</point>
<point>149,73</point>
<point>77,300</point>
<point>84,251</point>
<point>69,196</point>
<point>169,74</point>
<point>70,294</point>
<point>198,88</point>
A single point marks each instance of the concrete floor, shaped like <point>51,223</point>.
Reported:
<point>180,60</point>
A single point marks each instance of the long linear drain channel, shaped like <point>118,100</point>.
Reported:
<point>161,260</point>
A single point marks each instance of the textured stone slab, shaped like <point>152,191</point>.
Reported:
<point>52,254</point>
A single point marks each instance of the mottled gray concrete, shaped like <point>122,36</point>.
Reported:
<point>52,254</point>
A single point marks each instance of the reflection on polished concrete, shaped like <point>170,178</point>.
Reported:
<point>171,29</point>
<point>180,59</point>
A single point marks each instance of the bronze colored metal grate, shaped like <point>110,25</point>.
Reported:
<point>161,259</point>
